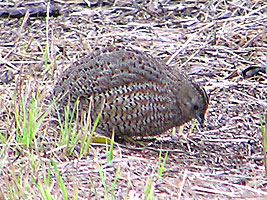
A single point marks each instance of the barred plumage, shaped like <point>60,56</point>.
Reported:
<point>138,94</point>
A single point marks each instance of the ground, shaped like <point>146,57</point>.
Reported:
<point>222,44</point>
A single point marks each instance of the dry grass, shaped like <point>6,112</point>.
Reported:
<point>212,40</point>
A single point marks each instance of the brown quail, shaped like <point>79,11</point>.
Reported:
<point>137,94</point>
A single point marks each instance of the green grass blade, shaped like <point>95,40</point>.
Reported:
<point>60,181</point>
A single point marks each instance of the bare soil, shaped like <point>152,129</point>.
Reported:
<point>223,44</point>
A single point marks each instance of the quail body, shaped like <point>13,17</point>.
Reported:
<point>134,93</point>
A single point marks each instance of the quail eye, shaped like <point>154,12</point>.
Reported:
<point>195,107</point>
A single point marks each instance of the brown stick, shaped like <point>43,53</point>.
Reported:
<point>40,10</point>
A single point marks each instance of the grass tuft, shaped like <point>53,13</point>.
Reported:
<point>162,164</point>
<point>60,181</point>
<point>149,189</point>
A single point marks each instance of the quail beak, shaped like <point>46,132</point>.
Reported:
<point>200,119</point>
